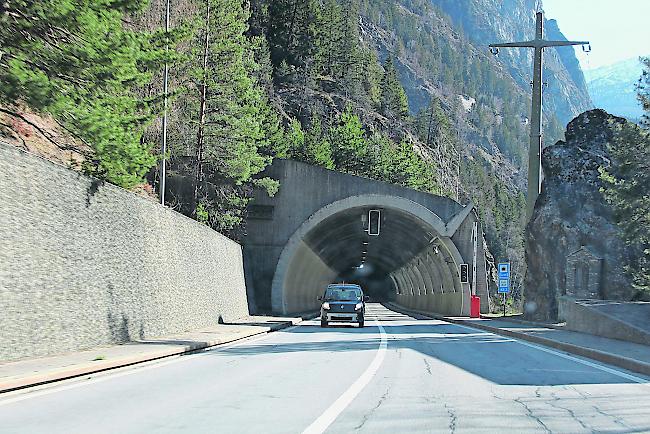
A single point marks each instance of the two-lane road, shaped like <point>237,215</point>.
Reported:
<point>398,374</point>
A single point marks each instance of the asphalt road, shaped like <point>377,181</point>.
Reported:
<point>398,374</point>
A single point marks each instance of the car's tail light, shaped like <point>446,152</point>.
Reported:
<point>358,306</point>
<point>326,306</point>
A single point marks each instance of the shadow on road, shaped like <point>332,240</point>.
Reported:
<point>495,358</point>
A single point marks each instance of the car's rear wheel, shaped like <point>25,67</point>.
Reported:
<point>323,323</point>
<point>361,321</point>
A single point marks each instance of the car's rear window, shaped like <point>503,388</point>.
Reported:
<point>343,293</point>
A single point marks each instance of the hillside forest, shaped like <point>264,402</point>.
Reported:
<point>321,81</point>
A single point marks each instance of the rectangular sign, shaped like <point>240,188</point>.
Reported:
<point>504,270</point>
<point>504,286</point>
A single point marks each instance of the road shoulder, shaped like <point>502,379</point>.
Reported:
<point>32,372</point>
<point>627,355</point>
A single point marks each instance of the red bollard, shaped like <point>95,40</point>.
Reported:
<point>475,307</point>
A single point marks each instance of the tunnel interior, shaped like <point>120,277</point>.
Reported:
<point>407,256</point>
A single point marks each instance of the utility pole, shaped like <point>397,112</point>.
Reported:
<point>535,150</point>
<point>164,124</point>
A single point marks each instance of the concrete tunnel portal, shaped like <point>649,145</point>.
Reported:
<point>410,256</point>
<point>312,233</point>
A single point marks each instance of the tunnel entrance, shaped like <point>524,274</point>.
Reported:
<point>411,256</point>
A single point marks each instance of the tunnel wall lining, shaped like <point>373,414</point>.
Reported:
<point>279,283</point>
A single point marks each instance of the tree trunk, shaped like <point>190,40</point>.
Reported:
<point>200,136</point>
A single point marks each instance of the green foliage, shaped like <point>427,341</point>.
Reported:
<point>349,145</point>
<point>202,213</point>
<point>643,91</point>
<point>76,60</point>
<point>291,30</point>
<point>394,102</point>
<point>311,147</point>
<point>238,131</point>
<point>627,189</point>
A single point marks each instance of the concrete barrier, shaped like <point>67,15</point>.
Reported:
<point>85,263</point>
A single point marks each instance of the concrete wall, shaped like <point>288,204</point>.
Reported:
<point>309,282</point>
<point>451,303</point>
<point>84,264</point>
<point>582,317</point>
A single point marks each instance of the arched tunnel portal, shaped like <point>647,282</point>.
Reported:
<point>412,261</point>
<point>311,233</point>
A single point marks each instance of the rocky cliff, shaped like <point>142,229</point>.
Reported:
<point>573,245</point>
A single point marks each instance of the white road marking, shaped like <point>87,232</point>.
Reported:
<point>88,379</point>
<point>334,410</point>
<point>585,362</point>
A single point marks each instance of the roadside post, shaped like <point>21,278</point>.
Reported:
<point>504,282</point>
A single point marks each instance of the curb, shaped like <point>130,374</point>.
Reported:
<point>79,371</point>
<point>601,356</point>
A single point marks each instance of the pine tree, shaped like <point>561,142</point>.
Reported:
<point>76,61</point>
<point>350,56</point>
<point>643,91</point>
<point>311,147</point>
<point>328,40</point>
<point>394,102</point>
<point>626,186</point>
<point>291,31</point>
<point>232,119</point>
<point>372,76</point>
<point>349,145</point>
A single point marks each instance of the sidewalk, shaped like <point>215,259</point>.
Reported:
<point>627,355</point>
<point>31,372</point>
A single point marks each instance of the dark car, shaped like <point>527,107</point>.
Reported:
<point>343,303</point>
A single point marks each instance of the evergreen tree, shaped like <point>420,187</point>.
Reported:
<point>319,149</point>
<point>372,75</point>
<point>626,187</point>
<point>328,40</point>
<point>311,147</point>
<point>394,102</point>
<point>350,56</point>
<point>233,119</point>
<point>76,61</point>
<point>291,31</point>
<point>643,93</point>
<point>349,145</point>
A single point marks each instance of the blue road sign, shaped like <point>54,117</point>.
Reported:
<point>504,270</point>
<point>504,286</point>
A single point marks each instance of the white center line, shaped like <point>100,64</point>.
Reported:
<point>334,410</point>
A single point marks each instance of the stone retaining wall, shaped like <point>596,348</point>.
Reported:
<point>85,263</point>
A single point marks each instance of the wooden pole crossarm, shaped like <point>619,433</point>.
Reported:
<point>522,44</point>
<point>535,174</point>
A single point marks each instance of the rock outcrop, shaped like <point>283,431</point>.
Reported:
<point>573,246</point>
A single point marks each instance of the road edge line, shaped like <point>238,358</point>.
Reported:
<point>599,356</point>
<point>68,374</point>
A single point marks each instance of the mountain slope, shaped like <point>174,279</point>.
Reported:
<point>612,88</point>
<point>488,21</point>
